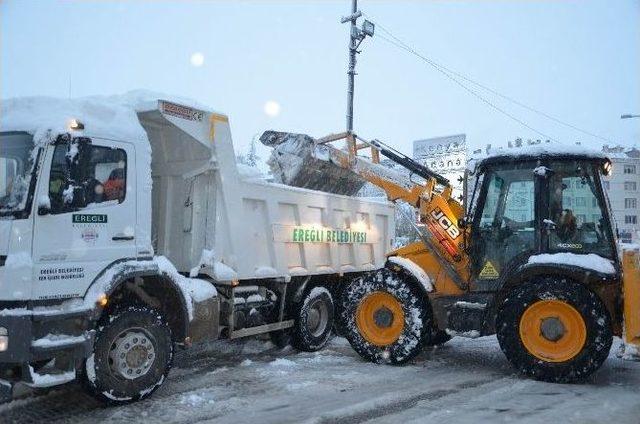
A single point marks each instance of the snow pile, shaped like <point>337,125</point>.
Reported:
<point>193,290</point>
<point>472,334</point>
<point>206,259</point>
<point>297,160</point>
<point>470,305</point>
<point>53,340</point>
<point>195,399</point>
<point>103,116</point>
<point>251,173</point>
<point>413,268</point>
<point>541,171</point>
<point>46,116</point>
<point>589,261</point>
<point>50,380</point>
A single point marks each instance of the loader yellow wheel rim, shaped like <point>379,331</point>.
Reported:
<point>553,331</point>
<point>380,318</point>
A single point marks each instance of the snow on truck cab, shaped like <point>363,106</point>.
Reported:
<point>126,229</point>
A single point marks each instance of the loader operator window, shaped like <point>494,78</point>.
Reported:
<point>101,178</point>
<point>507,221</point>
<point>576,209</point>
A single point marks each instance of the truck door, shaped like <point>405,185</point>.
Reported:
<point>86,215</point>
<point>507,225</point>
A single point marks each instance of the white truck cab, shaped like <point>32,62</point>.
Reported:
<point>126,230</point>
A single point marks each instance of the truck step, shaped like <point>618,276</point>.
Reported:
<point>252,331</point>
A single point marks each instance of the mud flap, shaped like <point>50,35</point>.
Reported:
<point>631,291</point>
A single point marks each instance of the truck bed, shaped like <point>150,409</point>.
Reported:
<point>208,219</point>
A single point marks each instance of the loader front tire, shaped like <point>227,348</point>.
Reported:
<point>386,317</point>
<point>553,329</point>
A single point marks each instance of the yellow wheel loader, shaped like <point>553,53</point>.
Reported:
<point>533,258</point>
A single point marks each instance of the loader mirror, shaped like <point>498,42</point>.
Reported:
<point>607,168</point>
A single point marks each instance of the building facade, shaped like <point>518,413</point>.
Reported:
<point>623,188</point>
<point>445,155</point>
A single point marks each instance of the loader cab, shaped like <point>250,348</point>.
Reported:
<point>528,205</point>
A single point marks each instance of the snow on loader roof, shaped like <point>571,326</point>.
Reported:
<point>536,151</point>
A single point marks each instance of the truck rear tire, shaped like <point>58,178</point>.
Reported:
<point>313,320</point>
<point>387,318</point>
<point>132,355</point>
<point>554,330</point>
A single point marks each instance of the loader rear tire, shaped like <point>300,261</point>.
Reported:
<point>386,317</point>
<point>553,329</point>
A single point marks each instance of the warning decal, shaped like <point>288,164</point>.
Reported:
<point>489,272</point>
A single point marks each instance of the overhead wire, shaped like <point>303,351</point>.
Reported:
<point>456,77</point>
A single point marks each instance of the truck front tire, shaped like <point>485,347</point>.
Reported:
<point>386,318</point>
<point>132,355</point>
<point>554,329</point>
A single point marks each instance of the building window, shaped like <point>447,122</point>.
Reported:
<point>594,202</point>
<point>630,185</point>
<point>629,169</point>
<point>630,219</point>
<point>630,203</point>
<point>580,201</point>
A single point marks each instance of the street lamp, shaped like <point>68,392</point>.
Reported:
<point>629,116</point>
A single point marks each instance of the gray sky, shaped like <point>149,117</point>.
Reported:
<point>576,60</point>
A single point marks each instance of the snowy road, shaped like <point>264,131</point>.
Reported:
<point>465,381</point>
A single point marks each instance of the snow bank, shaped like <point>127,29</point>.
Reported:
<point>589,261</point>
<point>414,270</point>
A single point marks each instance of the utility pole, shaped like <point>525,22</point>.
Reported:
<point>351,72</point>
<point>356,36</point>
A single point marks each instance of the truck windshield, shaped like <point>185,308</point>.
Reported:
<point>17,159</point>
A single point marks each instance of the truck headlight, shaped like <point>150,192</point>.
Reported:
<point>4,339</point>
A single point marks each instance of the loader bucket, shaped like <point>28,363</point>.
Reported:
<point>631,292</point>
<point>297,160</point>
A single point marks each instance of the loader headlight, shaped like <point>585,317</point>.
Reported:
<point>607,167</point>
<point>4,339</point>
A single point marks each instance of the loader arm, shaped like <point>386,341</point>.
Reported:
<point>438,212</point>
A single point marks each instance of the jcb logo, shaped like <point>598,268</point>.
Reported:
<point>445,223</point>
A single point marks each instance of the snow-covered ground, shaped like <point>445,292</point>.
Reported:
<point>464,381</point>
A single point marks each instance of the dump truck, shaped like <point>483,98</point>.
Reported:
<point>127,231</point>
<point>532,257</point>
